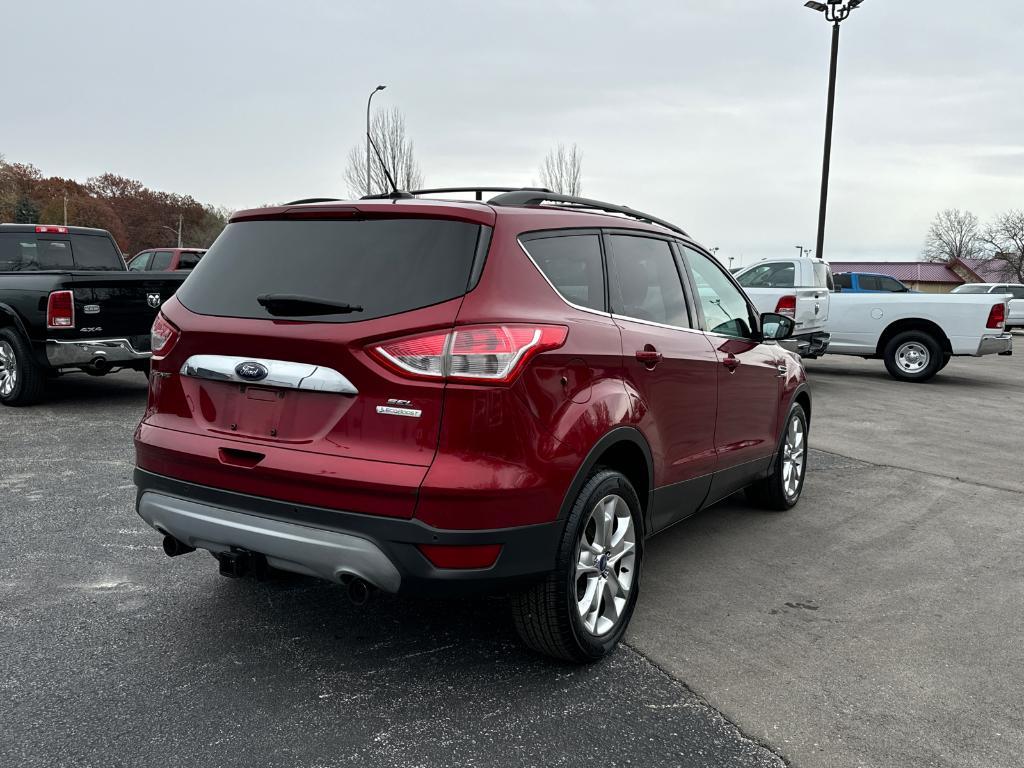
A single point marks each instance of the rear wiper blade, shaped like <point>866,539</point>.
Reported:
<point>294,305</point>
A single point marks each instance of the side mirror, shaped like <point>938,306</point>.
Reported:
<point>776,327</point>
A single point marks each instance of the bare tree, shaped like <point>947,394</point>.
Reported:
<point>954,234</point>
<point>1004,237</point>
<point>388,131</point>
<point>562,169</point>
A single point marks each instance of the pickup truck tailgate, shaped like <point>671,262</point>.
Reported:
<point>112,304</point>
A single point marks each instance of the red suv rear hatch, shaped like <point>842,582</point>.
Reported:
<point>268,386</point>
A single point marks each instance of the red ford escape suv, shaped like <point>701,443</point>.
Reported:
<point>409,394</point>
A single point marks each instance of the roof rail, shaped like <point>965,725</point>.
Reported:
<point>532,197</point>
<point>315,200</point>
<point>478,190</point>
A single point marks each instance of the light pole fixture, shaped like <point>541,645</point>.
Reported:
<point>372,94</point>
<point>835,11</point>
<point>799,250</point>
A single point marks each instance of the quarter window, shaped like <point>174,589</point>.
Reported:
<point>725,308</point>
<point>572,263</point>
<point>644,281</point>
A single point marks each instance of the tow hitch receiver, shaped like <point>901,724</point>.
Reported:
<point>241,562</point>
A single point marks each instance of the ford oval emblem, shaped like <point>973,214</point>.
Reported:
<point>251,371</point>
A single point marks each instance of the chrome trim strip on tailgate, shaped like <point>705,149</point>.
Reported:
<point>279,373</point>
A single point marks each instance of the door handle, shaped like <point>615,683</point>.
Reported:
<point>649,356</point>
<point>731,362</point>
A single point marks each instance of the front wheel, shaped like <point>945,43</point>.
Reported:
<point>913,356</point>
<point>580,611</point>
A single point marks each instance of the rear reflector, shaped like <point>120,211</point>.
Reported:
<point>53,230</point>
<point>162,336</point>
<point>997,316</point>
<point>786,306</point>
<point>479,353</point>
<point>480,556</point>
<point>60,310</point>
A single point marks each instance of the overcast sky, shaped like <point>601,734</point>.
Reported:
<point>709,113</point>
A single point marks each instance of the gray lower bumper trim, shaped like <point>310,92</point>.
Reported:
<point>63,354</point>
<point>290,547</point>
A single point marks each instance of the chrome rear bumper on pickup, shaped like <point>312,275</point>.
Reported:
<point>995,345</point>
<point>85,352</point>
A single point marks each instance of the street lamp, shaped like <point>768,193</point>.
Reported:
<point>799,251</point>
<point>372,94</point>
<point>173,230</point>
<point>836,11</point>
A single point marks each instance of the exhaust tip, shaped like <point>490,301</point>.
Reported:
<point>173,547</point>
<point>358,591</point>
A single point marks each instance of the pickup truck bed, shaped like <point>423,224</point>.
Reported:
<point>56,320</point>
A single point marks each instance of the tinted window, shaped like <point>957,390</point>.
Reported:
<point>22,252</point>
<point>868,283</point>
<point>891,284</point>
<point>140,262</point>
<point>1017,291</point>
<point>823,276</point>
<point>725,307</point>
<point>999,289</point>
<point>769,276</point>
<point>385,265</point>
<point>96,252</point>
<point>161,261</point>
<point>643,281</point>
<point>573,265</point>
<point>844,281</point>
<point>971,289</point>
<point>188,260</point>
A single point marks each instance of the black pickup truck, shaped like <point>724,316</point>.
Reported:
<point>68,303</point>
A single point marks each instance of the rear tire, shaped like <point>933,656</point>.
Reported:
<point>580,611</point>
<point>782,488</point>
<point>913,356</point>
<point>22,381</point>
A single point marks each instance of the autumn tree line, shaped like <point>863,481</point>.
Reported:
<point>137,217</point>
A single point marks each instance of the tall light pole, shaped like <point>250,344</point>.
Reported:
<point>836,11</point>
<point>175,231</point>
<point>799,251</point>
<point>372,94</point>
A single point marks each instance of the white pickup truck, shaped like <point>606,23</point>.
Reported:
<point>915,334</point>
<point>796,288</point>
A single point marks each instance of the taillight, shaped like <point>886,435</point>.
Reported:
<point>51,230</point>
<point>478,353</point>
<point>997,316</point>
<point>162,336</point>
<point>786,306</point>
<point>60,310</point>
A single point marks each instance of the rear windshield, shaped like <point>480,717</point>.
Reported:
<point>386,266</point>
<point>972,289</point>
<point>31,252</point>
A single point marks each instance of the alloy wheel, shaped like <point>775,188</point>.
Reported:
<point>605,565</point>
<point>794,455</point>
<point>8,369</point>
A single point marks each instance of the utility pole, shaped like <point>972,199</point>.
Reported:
<point>65,207</point>
<point>836,11</point>
<point>372,94</point>
<point>180,217</point>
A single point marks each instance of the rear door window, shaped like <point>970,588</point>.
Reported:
<point>572,264</point>
<point>868,283</point>
<point>386,266</point>
<point>843,281</point>
<point>161,261</point>
<point>1017,291</point>
<point>96,252</point>
<point>188,260</point>
<point>644,282</point>
<point>891,284</point>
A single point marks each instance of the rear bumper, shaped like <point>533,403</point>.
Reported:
<point>996,345</point>
<point>332,544</point>
<point>808,345</point>
<point>83,352</point>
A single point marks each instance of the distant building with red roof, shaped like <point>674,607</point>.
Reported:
<point>933,276</point>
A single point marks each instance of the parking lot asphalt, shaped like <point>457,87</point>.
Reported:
<point>877,624</point>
